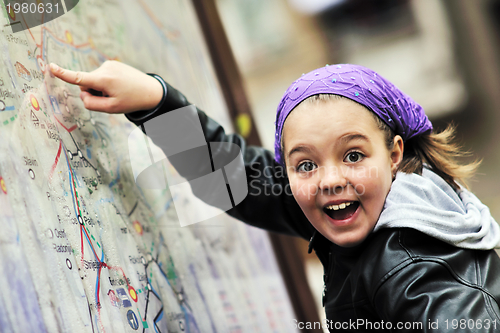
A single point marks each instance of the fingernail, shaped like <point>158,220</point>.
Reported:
<point>54,67</point>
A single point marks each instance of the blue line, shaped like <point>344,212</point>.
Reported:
<point>10,108</point>
<point>158,319</point>
<point>154,292</point>
<point>158,30</point>
<point>88,240</point>
<point>98,277</point>
<point>70,182</point>
<point>169,202</point>
<point>89,49</point>
<point>193,272</point>
<point>166,278</point>
<point>74,206</point>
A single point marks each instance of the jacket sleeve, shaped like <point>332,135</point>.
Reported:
<point>427,296</point>
<point>269,204</point>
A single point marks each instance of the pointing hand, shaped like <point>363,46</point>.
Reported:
<point>114,87</point>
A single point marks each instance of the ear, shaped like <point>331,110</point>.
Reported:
<point>396,153</point>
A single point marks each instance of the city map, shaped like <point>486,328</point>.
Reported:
<point>82,247</point>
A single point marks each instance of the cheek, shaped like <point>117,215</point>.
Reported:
<point>373,188</point>
<point>365,181</point>
<point>304,190</point>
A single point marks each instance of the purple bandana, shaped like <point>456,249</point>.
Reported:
<point>398,110</point>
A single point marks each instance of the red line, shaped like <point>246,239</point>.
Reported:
<point>81,236</point>
<point>64,41</point>
<point>99,287</point>
<point>170,34</point>
<point>76,198</point>
<point>74,188</point>
<point>56,161</point>
<point>121,270</point>
<point>30,31</point>
<point>91,246</point>
<point>67,129</point>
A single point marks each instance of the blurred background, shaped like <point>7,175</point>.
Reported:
<point>443,53</point>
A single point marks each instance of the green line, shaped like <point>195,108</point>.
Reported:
<point>92,237</point>
<point>139,312</point>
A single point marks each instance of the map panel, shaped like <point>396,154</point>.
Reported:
<point>82,247</point>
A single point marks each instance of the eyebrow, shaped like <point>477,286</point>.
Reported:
<point>353,136</point>
<point>299,149</point>
<point>343,140</point>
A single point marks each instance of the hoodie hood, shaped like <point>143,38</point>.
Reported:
<point>429,204</point>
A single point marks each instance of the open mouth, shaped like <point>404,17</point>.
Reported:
<point>343,211</point>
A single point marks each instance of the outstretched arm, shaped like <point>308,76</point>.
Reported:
<point>269,203</point>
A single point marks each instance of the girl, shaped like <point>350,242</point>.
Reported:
<point>404,246</point>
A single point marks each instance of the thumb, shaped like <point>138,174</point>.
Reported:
<point>98,103</point>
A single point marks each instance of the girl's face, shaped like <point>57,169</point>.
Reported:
<point>339,167</point>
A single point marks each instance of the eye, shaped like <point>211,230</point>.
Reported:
<point>306,166</point>
<point>354,157</point>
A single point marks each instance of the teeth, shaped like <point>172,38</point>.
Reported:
<point>341,206</point>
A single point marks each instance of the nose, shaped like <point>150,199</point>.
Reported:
<point>333,179</point>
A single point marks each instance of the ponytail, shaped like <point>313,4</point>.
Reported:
<point>441,154</point>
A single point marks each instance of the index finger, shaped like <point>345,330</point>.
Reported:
<point>79,78</point>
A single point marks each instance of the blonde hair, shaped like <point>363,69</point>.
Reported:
<point>436,150</point>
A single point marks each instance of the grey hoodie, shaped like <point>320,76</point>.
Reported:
<point>429,204</point>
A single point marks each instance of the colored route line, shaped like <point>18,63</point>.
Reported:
<point>78,47</point>
<point>198,288</point>
<point>73,191</point>
<point>45,33</point>
<point>133,208</point>
<point>60,41</point>
<point>71,129</point>
<point>150,290</point>
<point>56,161</point>
<point>171,35</point>
<point>6,121</point>
<point>9,108</point>
<point>84,231</point>
<point>26,25</point>
<point>80,154</point>
<point>180,295</point>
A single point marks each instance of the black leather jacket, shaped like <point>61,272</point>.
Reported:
<point>397,280</point>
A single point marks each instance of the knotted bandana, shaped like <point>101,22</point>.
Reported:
<point>362,85</point>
